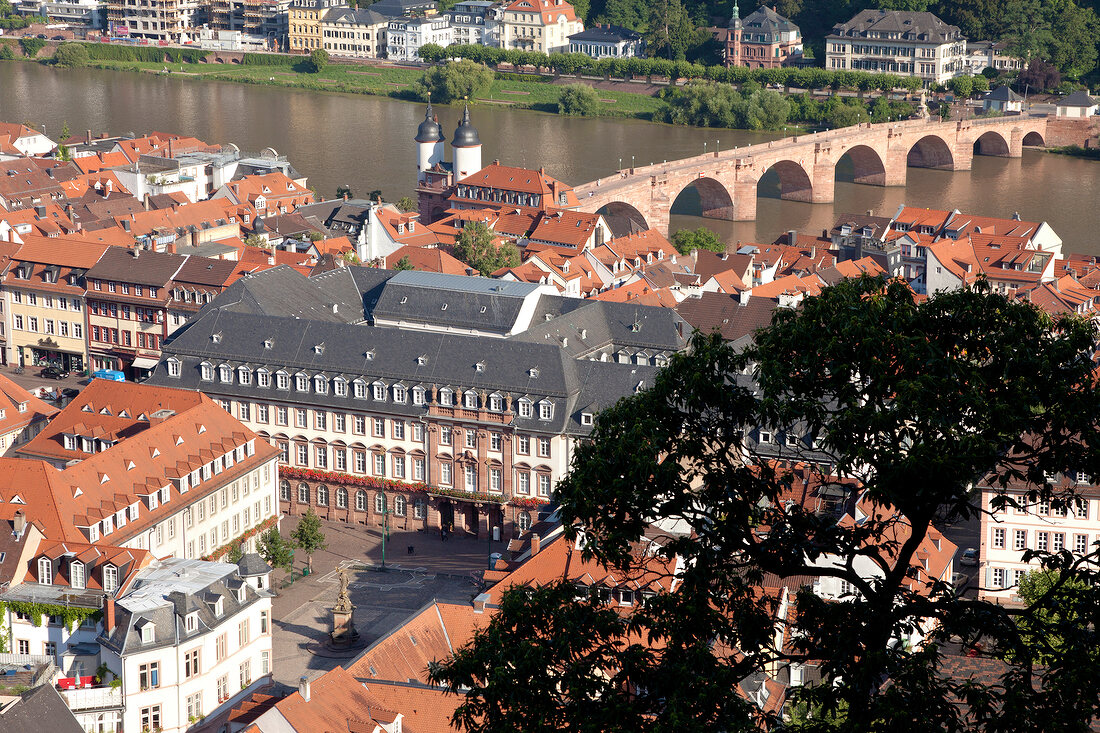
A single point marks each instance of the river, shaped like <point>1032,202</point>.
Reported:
<point>366,143</point>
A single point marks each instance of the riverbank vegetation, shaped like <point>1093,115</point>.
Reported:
<point>1076,151</point>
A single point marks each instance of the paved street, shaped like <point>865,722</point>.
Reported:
<point>441,570</point>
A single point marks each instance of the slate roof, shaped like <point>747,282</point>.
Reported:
<point>914,26</point>
<point>283,292</point>
<point>1004,94</point>
<point>1080,98</point>
<point>726,314</point>
<point>456,300</point>
<point>765,19</point>
<point>40,710</point>
<point>251,565</point>
<point>606,34</point>
<point>354,16</point>
<point>166,593</point>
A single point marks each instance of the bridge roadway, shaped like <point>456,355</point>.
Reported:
<point>806,164</point>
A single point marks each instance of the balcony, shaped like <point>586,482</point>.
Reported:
<point>93,698</point>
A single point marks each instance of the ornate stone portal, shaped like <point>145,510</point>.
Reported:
<point>343,615</point>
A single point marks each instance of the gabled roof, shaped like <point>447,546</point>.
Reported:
<point>1080,98</point>
<point>548,10</point>
<point>1003,94</point>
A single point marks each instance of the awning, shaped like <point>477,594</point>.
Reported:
<point>143,362</point>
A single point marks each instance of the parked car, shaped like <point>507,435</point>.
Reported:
<point>69,393</point>
<point>969,556</point>
<point>113,374</point>
<point>51,372</point>
<point>59,38</point>
<point>960,580</point>
<point>42,36</point>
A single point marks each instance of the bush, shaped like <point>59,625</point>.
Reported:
<point>578,100</point>
<point>713,104</point>
<point>6,54</point>
<point>71,55</point>
<point>318,59</point>
<point>685,240</point>
<point>431,52</point>
<point>454,80</point>
<point>31,46</point>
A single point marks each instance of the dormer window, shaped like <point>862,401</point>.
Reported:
<point>586,418</point>
<point>533,373</point>
<point>174,367</point>
<point>244,375</point>
<point>379,391</point>
<point>76,574</point>
<point>147,633</point>
<point>219,607</point>
<point>301,382</point>
<point>340,387</point>
<point>400,394</point>
<point>263,378</point>
<point>418,395</point>
<point>469,400</point>
<point>216,338</point>
<point>241,594</point>
<point>191,622</point>
<point>225,373</point>
<point>546,410</point>
<point>525,407</point>
<point>359,389</point>
<point>110,578</point>
<point>320,384</point>
<point>496,403</point>
<point>446,397</point>
<point>206,371</point>
<point>319,349</point>
<point>45,571</point>
<point>282,380</point>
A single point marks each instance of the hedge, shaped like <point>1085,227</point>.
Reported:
<point>576,63</point>
<point>266,59</point>
<point>111,52</point>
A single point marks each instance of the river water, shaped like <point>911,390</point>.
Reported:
<point>366,142</point>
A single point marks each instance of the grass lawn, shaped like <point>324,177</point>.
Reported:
<point>537,94</point>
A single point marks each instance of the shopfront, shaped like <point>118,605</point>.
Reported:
<point>42,356</point>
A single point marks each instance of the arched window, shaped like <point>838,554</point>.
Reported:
<point>524,521</point>
<point>322,495</point>
<point>400,394</point>
<point>320,384</point>
<point>496,403</point>
<point>469,400</point>
<point>341,498</point>
<point>400,505</point>
<point>446,397</point>
<point>361,501</point>
<point>303,493</point>
<point>379,503</point>
<point>45,571</point>
<point>284,490</point>
<point>419,508</point>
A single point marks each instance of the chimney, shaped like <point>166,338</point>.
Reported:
<point>536,543</point>
<point>303,687</point>
<point>479,602</point>
<point>792,237</point>
<point>271,259</point>
<point>169,147</point>
<point>39,211</point>
<point>19,524</point>
<point>89,135</point>
<point>136,251</point>
<point>126,225</point>
<point>145,200</point>
<point>108,615</point>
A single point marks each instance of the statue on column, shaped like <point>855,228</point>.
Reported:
<point>343,615</point>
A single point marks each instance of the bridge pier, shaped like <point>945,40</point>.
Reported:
<point>744,201</point>
<point>897,166</point>
<point>824,182</point>
<point>962,157</point>
<point>1016,144</point>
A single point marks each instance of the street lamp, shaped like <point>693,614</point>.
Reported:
<point>704,147</point>
<point>385,529</point>
<point>620,165</point>
<point>631,162</point>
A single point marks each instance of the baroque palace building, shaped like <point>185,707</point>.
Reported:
<point>414,398</point>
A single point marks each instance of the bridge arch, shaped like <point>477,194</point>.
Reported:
<point>1033,138</point>
<point>623,210</point>
<point>795,183</point>
<point>715,200</point>
<point>992,142</point>
<point>868,166</point>
<point>931,151</point>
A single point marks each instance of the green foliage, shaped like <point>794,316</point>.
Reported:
<point>309,536</point>
<point>712,104</point>
<point>476,247</point>
<point>671,30</point>
<point>453,81</point>
<point>578,100</point>
<point>920,399</point>
<point>71,55</point>
<point>70,616</point>
<point>344,191</point>
<point>6,54</point>
<point>31,46</point>
<point>151,54</point>
<point>256,240</point>
<point>236,552</point>
<point>961,86</point>
<point>403,264</point>
<point>431,52</point>
<point>315,236</point>
<point>263,59</point>
<point>406,204</point>
<point>1055,602</point>
<point>685,240</point>
<point>275,550</point>
<point>318,59</point>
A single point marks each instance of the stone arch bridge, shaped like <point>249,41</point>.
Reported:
<point>881,155</point>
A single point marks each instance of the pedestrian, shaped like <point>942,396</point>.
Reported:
<point>442,532</point>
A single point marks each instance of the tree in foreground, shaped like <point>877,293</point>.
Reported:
<point>454,81</point>
<point>406,204</point>
<point>71,55</point>
<point>309,536</point>
<point>916,401</point>
<point>578,100</point>
<point>685,240</point>
<point>403,264</point>
<point>276,551</point>
<point>318,59</point>
<point>477,247</point>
